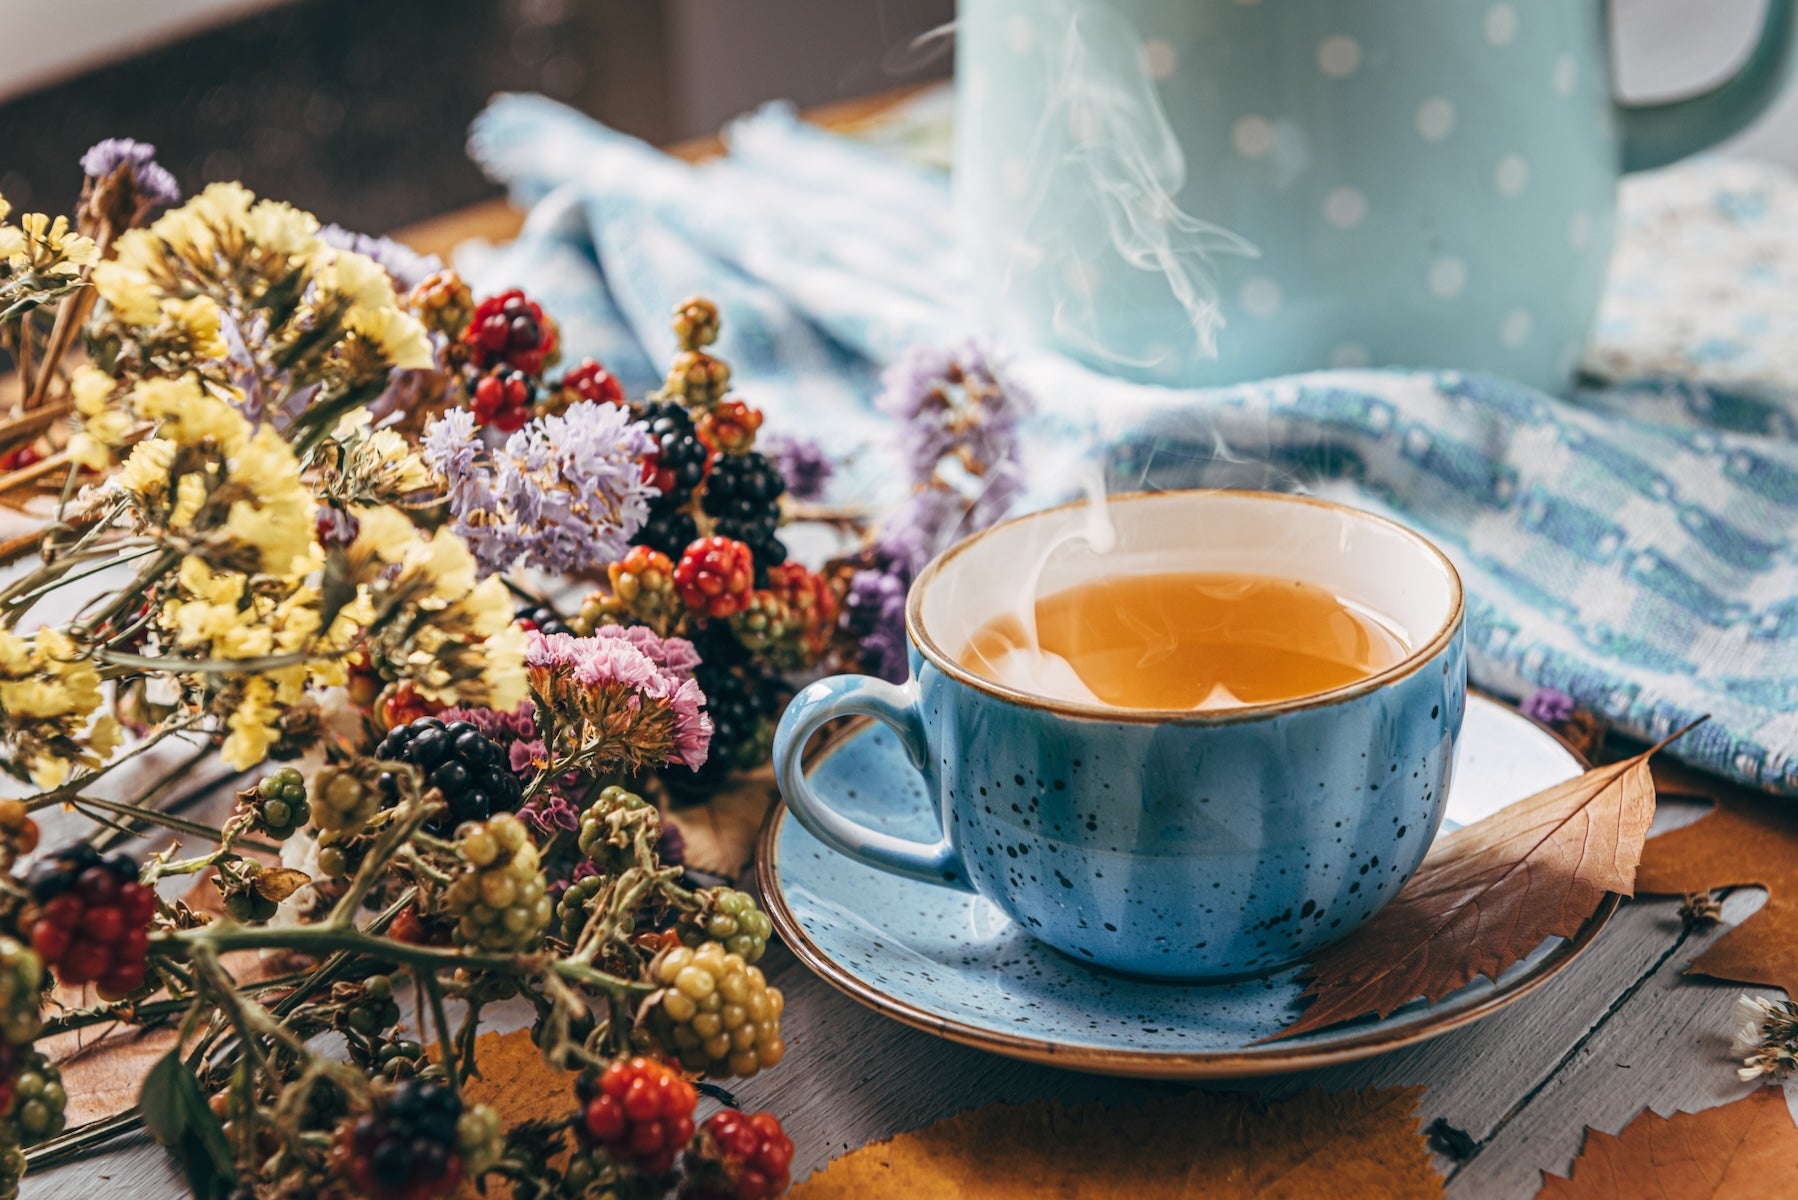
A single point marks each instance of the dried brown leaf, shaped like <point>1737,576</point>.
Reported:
<point>1749,838</point>
<point>1488,894</point>
<point>1344,1145</point>
<point>1747,1150</point>
<point>278,883</point>
<point>720,833</point>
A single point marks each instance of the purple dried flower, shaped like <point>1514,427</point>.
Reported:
<point>155,185</point>
<point>565,493</point>
<point>874,613</point>
<point>406,266</point>
<point>550,813</point>
<point>922,524</point>
<point>802,462</point>
<point>951,403</point>
<point>1548,706</point>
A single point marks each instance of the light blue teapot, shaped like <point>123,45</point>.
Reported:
<point>1208,191</point>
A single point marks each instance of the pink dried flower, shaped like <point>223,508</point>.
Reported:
<point>620,699</point>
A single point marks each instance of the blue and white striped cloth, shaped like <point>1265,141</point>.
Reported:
<point>1635,547</point>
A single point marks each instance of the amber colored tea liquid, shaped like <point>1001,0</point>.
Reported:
<point>1185,640</point>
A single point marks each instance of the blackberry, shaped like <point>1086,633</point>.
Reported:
<point>38,1098</point>
<point>730,917</point>
<point>680,460</point>
<point>21,985</point>
<point>542,618</point>
<point>277,805</point>
<point>510,328</point>
<point>743,499</point>
<point>500,900</point>
<point>90,918</point>
<point>715,576</point>
<point>408,1147</point>
<point>744,701</point>
<point>611,825</point>
<point>715,1011</point>
<point>457,759</point>
<point>738,1156</point>
<point>638,1111</point>
<point>668,530</point>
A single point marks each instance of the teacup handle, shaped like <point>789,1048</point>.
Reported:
<point>895,707</point>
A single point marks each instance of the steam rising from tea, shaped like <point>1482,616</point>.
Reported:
<point>1184,640</point>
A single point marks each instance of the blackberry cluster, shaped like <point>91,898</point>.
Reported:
<point>500,901</point>
<point>715,1011</point>
<point>680,461</point>
<point>92,918</point>
<point>542,618</point>
<point>637,1111</point>
<point>21,985</point>
<point>457,759</point>
<point>38,1099</point>
<point>278,804</point>
<point>743,499</point>
<point>610,826</point>
<point>510,328</point>
<point>504,399</point>
<point>739,1156</point>
<point>407,1149</point>
<point>745,702</point>
<point>731,918</point>
<point>668,530</point>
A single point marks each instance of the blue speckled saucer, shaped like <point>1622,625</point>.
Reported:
<point>950,963</point>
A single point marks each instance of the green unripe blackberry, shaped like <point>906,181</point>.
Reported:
<point>278,803</point>
<point>500,900</point>
<point>610,826</point>
<point>481,1139</point>
<point>375,1009</point>
<point>21,985</point>
<point>729,917</point>
<point>341,801</point>
<point>38,1099</point>
<point>715,1011</point>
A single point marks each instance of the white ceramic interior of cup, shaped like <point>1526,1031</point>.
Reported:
<point>1392,573</point>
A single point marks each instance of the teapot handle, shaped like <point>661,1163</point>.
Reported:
<point>1657,134</point>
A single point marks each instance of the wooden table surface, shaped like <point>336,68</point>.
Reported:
<point>1619,1030</point>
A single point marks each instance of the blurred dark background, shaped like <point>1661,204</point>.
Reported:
<point>357,109</point>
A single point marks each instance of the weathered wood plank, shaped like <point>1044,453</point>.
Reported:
<point>1666,1047</point>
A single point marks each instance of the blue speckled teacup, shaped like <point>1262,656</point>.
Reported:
<point>1179,845</point>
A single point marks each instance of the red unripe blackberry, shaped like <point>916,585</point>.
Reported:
<point>504,399</point>
<point>457,759</point>
<point>89,918</point>
<point>591,381</point>
<point>637,1110</point>
<point>739,1156</point>
<point>715,576</point>
<point>511,329</point>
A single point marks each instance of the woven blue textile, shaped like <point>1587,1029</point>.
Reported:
<point>1635,547</point>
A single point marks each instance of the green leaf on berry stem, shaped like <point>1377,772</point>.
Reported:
<point>177,1115</point>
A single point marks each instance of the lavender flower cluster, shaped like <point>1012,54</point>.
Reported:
<point>155,184</point>
<point>565,493</point>
<point>959,435</point>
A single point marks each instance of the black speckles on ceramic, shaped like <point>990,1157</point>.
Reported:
<point>944,955</point>
<point>1178,850</point>
<point>1194,851</point>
